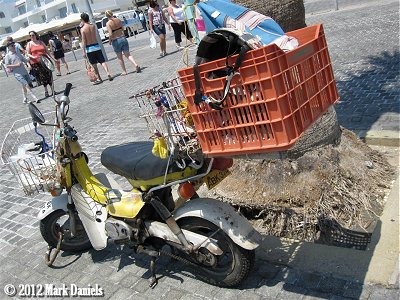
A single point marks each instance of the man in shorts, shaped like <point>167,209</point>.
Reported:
<point>15,65</point>
<point>57,50</point>
<point>91,48</point>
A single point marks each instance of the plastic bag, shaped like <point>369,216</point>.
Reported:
<point>153,42</point>
<point>286,43</point>
<point>160,148</point>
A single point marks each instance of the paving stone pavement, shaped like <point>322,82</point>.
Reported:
<point>364,48</point>
<point>363,45</point>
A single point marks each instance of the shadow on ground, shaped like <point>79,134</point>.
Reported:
<point>281,267</point>
<point>368,94</point>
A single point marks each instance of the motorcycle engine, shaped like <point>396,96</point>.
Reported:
<point>117,230</point>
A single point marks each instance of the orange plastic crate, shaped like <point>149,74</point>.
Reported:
<point>275,98</point>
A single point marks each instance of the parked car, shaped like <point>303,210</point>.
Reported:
<point>76,43</point>
<point>130,21</point>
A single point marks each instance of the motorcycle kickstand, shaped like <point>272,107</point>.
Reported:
<point>154,255</point>
<point>47,257</point>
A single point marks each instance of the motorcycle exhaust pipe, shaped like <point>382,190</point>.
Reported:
<point>161,230</point>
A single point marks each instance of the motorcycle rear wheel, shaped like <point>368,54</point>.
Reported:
<point>57,221</point>
<point>226,270</point>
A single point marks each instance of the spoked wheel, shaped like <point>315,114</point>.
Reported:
<point>59,221</point>
<point>226,270</point>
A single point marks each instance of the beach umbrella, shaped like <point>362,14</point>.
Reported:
<point>3,42</point>
<point>71,19</point>
<point>23,33</point>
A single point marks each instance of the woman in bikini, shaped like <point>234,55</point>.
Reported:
<point>119,42</point>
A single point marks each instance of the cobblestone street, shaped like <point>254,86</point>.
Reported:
<point>364,49</point>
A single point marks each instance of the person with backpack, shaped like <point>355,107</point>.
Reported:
<point>57,50</point>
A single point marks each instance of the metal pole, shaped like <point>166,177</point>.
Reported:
<point>70,42</point>
<point>73,52</point>
<point>336,4</point>
<point>93,21</point>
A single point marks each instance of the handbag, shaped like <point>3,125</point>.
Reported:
<point>90,71</point>
<point>153,41</point>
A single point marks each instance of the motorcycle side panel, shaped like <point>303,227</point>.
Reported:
<point>59,202</point>
<point>237,227</point>
<point>93,216</point>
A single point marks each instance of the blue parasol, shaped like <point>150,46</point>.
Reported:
<point>223,13</point>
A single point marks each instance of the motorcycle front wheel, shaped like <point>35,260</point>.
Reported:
<point>59,221</point>
<point>226,270</point>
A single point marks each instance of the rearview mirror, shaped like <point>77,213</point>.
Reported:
<point>36,115</point>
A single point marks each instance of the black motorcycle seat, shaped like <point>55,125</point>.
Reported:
<point>135,161</point>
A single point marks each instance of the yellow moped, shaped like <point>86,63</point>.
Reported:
<point>88,210</point>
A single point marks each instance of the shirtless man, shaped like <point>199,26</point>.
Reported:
<point>91,49</point>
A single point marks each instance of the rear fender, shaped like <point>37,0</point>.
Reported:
<point>237,227</point>
<point>59,202</point>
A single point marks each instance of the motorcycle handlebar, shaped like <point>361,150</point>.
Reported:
<point>68,87</point>
<point>70,133</point>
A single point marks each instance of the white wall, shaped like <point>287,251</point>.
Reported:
<point>99,6</point>
<point>8,9</point>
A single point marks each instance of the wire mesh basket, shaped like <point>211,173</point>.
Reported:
<point>21,152</point>
<point>164,107</point>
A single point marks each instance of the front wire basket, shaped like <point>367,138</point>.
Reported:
<point>35,172</point>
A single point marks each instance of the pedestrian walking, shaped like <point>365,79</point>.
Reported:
<point>2,66</point>
<point>57,50</point>
<point>178,23</point>
<point>119,42</point>
<point>18,48</point>
<point>20,51</point>
<point>36,49</point>
<point>91,48</point>
<point>142,20</point>
<point>157,21</point>
<point>15,64</point>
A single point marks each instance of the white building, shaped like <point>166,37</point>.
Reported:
<point>21,13</point>
<point>6,11</point>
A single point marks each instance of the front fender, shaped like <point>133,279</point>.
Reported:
<point>237,227</point>
<point>59,202</point>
